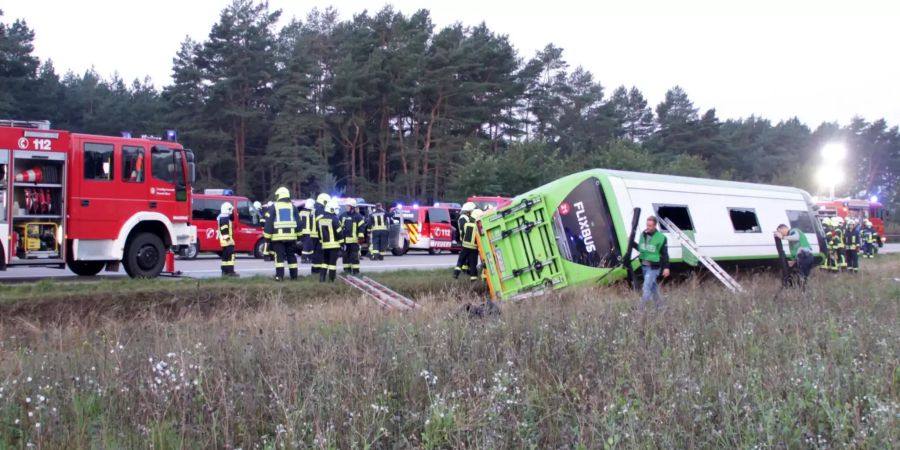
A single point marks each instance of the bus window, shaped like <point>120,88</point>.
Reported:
<point>801,221</point>
<point>678,214</point>
<point>583,227</point>
<point>744,220</point>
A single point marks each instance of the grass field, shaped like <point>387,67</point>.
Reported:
<point>250,364</point>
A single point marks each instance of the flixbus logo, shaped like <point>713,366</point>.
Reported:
<point>585,226</point>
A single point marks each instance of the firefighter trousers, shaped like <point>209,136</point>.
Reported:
<point>852,260</point>
<point>317,258</point>
<point>379,243</point>
<point>328,272</point>
<point>467,262</point>
<point>285,252</point>
<point>227,259</point>
<point>351,258</point>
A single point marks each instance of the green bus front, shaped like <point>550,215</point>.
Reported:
<point>560,234</point>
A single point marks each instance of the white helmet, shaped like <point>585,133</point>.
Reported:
<point>837,220</point>
<point>351,202</point>
<point>309,204</point>
<point>323,198</point>
<point>257,205</point>
<point>332,207</point>
<point>477,213</point>
<point>468,206</point>
<point>227,208</point>
<point>868,223</point>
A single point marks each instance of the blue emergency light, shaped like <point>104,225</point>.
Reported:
<point>171,135</point>
<point>126,134</point>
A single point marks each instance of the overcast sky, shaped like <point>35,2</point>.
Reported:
<point>820,60</point>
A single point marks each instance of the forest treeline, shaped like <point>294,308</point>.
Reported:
<point>388,106</point>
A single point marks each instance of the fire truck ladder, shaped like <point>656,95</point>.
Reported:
<point>383,295</point>
<point>707,262</point>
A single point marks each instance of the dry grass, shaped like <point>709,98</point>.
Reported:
<point>277,368</point>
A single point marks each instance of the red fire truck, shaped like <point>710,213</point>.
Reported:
<point>859,209</point>
<point>92,202</point>
<point>425,228</point>
<point>248,232</point>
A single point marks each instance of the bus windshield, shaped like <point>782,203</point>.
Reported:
<point>583,227</point>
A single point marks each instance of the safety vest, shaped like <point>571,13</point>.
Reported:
<point>283,223</point>
<point>352,225</point>
<point>226,237</point>
<point>852,239</point>
<point>652,251</point>
<point>378,221</point>
<point>306,223</point>
<point>462,221</point>
<point>802,243</point>
<point>468,236</point>
<point>329,231</point>
<point>868,235</point>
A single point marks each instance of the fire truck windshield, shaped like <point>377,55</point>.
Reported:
<point>583,227</point>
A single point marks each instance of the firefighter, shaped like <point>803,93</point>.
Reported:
<point>353,225</point>
<point>468,256</point>
<point>307,231</point>
<point>828,263</point>
<point>226,238</point>
<point>318,258</point>
<point>330,239</point>
<point>851,243</point>
<point>377,224</point>
<point>263,212</point>
<point>840,254</point>
<point>867,236</point>
<point>281,231</point>
<point>801,256</point>
<point>465,216</point>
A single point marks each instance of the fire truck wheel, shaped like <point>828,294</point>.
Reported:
<point>400,251</point>
<point>86,268</point>
<point>434,251</point>
<point>190,252</point>
<point>258,249</point>
<point>144,256</point>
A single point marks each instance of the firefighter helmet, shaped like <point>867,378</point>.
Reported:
<point>309,204</point>
<point>332,207</point>
<point>257,206</point>
<point>868,223</point>
<point>226,208</point>
<point>477,213</point>
<point>323,198</point>
<point>837,221</point>
<point>282,193</point>
<point>351,202</point>
<point>468,206</point>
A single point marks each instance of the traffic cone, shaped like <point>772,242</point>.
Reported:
<point>35,175</point>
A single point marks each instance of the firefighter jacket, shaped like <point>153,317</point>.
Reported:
<point>868,235</point>
<point>226,230</point>
<point>838,238</point>
<point>329,231</point>
<point>315,215</point>
<point>377,221</point>
<point>467,235</point>
<point>283,223</point>
<point>851,239</point>
<point>306,223</point>
<point>353,225</point>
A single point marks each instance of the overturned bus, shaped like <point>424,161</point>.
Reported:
<point>576,230</point>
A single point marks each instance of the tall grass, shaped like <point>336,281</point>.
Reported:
<point>583,369</point>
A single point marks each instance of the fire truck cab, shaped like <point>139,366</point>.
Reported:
<point>91,202</point>
<point>858,209</point>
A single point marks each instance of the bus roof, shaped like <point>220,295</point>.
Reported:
<point>698,181</point>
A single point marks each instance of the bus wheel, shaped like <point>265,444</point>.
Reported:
<point>259,248</point>
<point>86,268</point>
<point>144,256</point>
<point>190,252</point>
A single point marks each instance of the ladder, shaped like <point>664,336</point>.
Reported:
<point>382,295</point>
<point>707,262</point>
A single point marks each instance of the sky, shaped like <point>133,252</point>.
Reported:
<point>819,60</point>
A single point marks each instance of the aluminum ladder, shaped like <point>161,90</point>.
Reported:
<point>382,295</point>
<point>707,262</point>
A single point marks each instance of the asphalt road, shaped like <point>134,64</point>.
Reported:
<point>206,266</point>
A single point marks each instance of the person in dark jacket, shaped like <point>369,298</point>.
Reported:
<point>654,261</point>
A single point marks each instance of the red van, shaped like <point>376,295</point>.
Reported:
<point>425,228</point>
<point>248,231</point>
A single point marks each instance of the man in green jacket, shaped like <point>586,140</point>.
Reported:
<point>800,256</point>
<point>654,260</point>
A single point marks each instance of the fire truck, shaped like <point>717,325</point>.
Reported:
<point>859,209</point>
<point>91,202</point>
<point>427,228</point>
